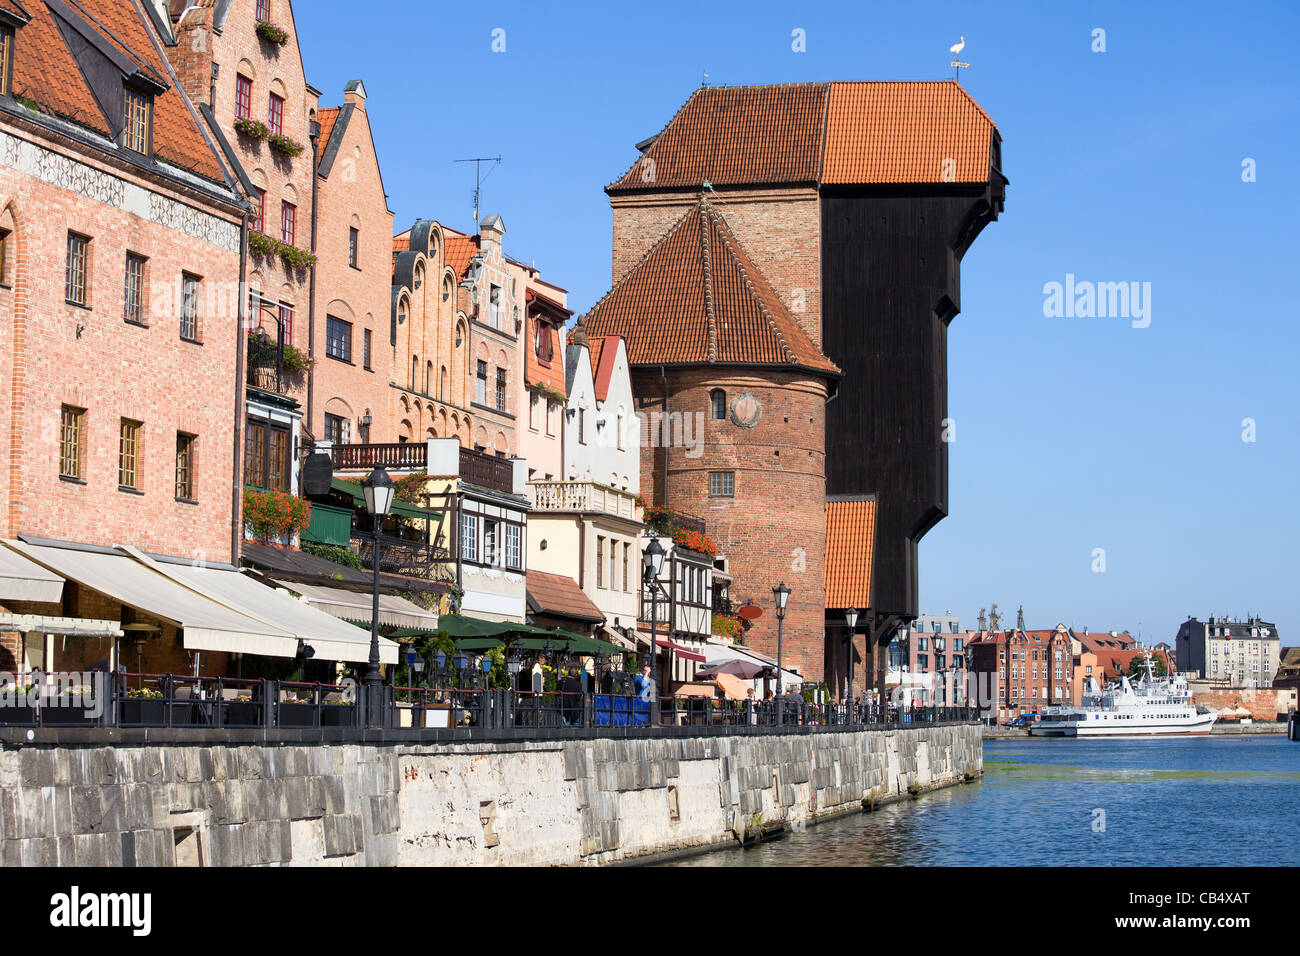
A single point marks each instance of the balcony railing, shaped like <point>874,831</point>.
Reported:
<point>402,556</point>
<point>486,471</point>
<point>582,496</point>
<point>269,379</point>
<point>396,455</point>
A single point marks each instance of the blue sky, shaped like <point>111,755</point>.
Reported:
<point>1072,434</point>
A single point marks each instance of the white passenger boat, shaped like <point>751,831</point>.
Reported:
<point>1152,707</point>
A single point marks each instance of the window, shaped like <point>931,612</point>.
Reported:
<point>70,447</point>
<point>495,313</point>
<point>469,537</point>
<point>542,344</point>
<point>613,564</point>
<point>6,57</point>
<point>365,349</point>
<point>353,238</point>
<point>243,97</point>
<point>338,339</point>
<point>718,403</point>
<point>337,429</point>
<point>490,542</point>
<point>722,484</point>
<point>184,466</point>
<point>627,557</point>
<point>533,404</point>
<point>128,455</point>
<point>600,561</point>
<point>135,120</point>
<point>190,307</point>
<point>621,446</point>
<point>514,547</point>
<point>501,389</point>
<point>266,456</point>
<point>286,322</point>
<point>259,221</point>
<point>480,394</point>
<point>288,222</point>
<point>275,115</point>
<point>133,310</point>
<point>582,426</point>
<point>75,276</point>
<point>263,11</point>
<point>442,384</point>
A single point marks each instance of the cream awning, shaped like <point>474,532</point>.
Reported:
<point>356,606</point>
<point>331,638</point>
<point>207,625</point>
<point>22,580</point>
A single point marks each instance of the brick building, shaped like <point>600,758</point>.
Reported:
<point>119,257</point>
<point>851,206</point>
<point>1022,670</point>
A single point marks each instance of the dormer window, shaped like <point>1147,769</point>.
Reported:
<point>542,342</point>
<point>137,117</point>
<point>6,58</point>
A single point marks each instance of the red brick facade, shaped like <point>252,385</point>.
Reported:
<point>772,529</point>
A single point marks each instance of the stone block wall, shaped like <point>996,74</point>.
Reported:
<point>537,803</point>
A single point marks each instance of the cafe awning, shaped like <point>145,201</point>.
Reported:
<point>207,625</point>
<point>23,580</point>
<point>355,606</point>
<point>330,638</point>
<point>683,652</point>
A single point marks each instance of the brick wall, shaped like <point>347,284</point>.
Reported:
<point>92,359</point>
<point>780,231</point>
<point>773,529</point>
<point>353,197</point>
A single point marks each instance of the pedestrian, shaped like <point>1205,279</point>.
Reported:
<point>643,683</point>
<point>793,705</point>
<point>571,698</point>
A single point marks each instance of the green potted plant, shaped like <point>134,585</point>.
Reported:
<point>284,145</point>
<point>271,33</point>
<point>252,129</point>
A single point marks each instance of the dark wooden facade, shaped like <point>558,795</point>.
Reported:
<point>891,283</point>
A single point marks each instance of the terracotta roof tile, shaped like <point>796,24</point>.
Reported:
<point>459,250</point>
<point>696,298</point>
<point>559,595</point>
<point>850,541</point>
<point>604,353</point>
<point>46,72</point>
<point>833,133</point>
<point>328,117</point>
<point>736,134</point>
<point>402,243</point>
<point>922,132</point>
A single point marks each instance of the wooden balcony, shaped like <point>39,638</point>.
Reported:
<point>585,496</point>
<point>477,468</point>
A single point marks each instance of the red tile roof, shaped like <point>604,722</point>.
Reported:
<point>328,117</point>
<point>695,298</point>
<point>834,133</point>
<point>559,595</point>
<point>850,540</point>
<point>46,72</point>
<point>402,243</point>
<point>922,132</point>
<point>460,249</point>
<point>604,355</point>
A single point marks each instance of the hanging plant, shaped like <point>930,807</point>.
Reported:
<point>284,145</point>
<point>551,394</point>
<point>252,129</point>
<point>272,34</point>
<point>265,246</point>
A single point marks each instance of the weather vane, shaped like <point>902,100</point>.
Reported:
<point>956,49</point>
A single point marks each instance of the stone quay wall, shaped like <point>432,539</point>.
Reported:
<point>563,802</point>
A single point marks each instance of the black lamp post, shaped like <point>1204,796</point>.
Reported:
<point>654,562</point>
<point>378,489</point>
<point>851,619</point>
<point>781,594</point>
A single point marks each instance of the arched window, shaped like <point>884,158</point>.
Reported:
<point>442,384</point>
<point>415,369</point>
<point>428,377</point>
<point>718,403</point>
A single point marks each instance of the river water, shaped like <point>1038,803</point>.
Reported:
<point>1193,801</point>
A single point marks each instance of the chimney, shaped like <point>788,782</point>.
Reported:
<point>354,94</point>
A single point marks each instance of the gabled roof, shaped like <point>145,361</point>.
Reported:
<point>837,133</point>
<point>850,541</point>
<point>110,36</point>
<point>604,356</point>
<point>696,298</point>
<point>459,251</point>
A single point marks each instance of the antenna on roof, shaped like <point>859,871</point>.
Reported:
<point>956,49</point>
<point>479,178</point>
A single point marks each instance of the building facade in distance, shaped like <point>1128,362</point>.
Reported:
<point>1238,653</point>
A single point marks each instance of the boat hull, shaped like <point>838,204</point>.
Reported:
<point>1192,728</point>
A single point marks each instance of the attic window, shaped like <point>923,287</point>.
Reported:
<point>542,342</point>
<point>137,116</point>
<point>6,58</point>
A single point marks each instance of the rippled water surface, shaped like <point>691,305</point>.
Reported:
<point>1186,802</point>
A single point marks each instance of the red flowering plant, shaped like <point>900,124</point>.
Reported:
<point>668,522</point>
<point>694,541</point>
<point>275,514</point>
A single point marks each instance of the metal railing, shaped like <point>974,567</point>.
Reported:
<point>395,455</point>
<point>128,700</point>
<point>271,379</point>
<point>399,555</point>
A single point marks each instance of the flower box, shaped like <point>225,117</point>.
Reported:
<point>142,712</point>
<point>284,145</point>
<point>252,129</point>
<point>272,33</point>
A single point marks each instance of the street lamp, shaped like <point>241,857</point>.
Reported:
<point>781,594</point>
<point>851,619</point>
<point>378,489</point>
<point>653,560</point>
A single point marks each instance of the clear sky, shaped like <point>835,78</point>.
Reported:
<point>1072,434</point>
